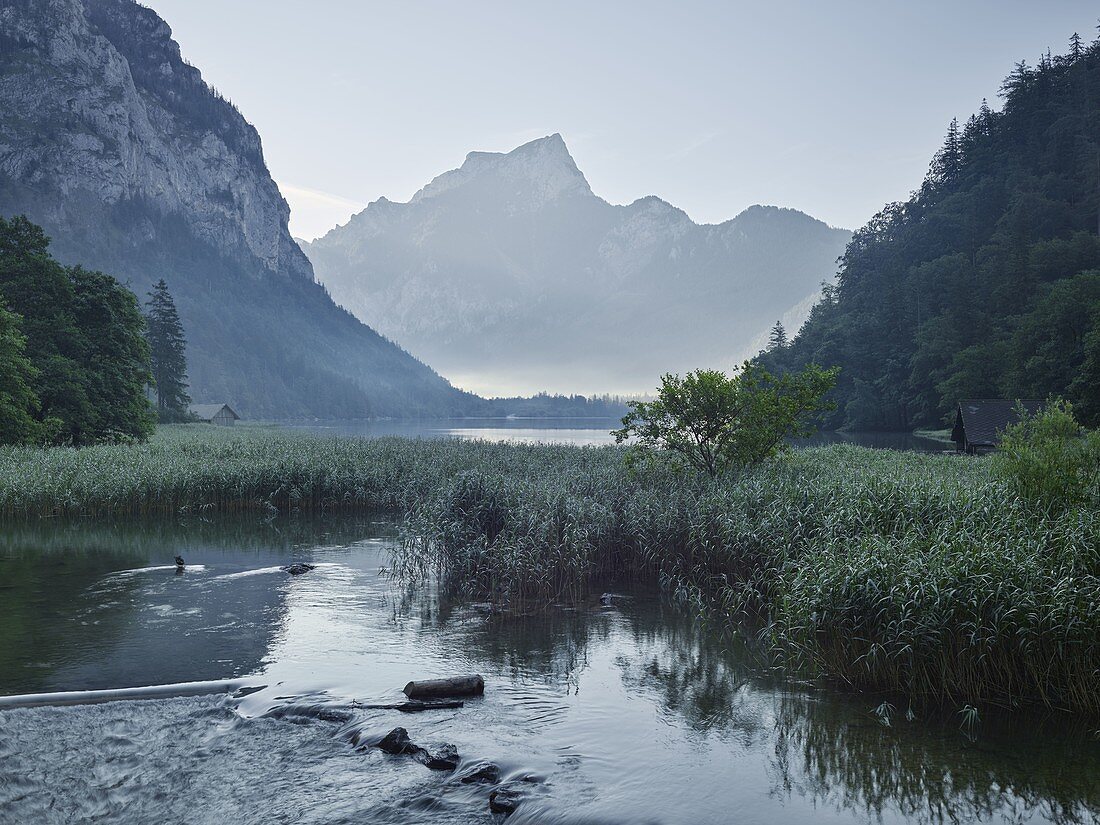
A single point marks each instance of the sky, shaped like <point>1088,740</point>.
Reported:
<point>831,108</point>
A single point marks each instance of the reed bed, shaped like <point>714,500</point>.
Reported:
<point>899,572</point>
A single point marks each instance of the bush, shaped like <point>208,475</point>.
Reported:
<point>1047,461</point>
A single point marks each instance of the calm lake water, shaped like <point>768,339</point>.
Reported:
<point>582,431</point>
<point>628,714</point>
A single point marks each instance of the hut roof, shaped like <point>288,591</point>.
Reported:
<point>982,420</point>
<point>207,411</point>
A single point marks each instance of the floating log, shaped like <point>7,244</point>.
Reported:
<point>442,688</point>
<point>92,697</point>
<point>414,706</point>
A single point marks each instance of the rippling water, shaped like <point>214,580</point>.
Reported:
<point>630,714</point>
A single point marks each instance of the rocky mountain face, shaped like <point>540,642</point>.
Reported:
<point>114,144</point>
<point>510,273</point>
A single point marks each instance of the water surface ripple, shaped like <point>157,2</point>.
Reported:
<point>633,714</point>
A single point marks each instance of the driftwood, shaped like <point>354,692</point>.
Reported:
<point>443,688</point>
<point>414,706</point>
<point>91,697</point>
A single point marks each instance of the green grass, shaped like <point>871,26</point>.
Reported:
<point>899,572</point>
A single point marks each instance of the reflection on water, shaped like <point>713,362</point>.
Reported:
<point>580,431</point>
<point>626,714</point>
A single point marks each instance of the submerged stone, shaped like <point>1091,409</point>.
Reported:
<point>505,800</point>
<point>443,758</point>
<point>397,742</point>
<point>483,773</point>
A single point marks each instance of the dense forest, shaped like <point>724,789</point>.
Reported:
<point>986,282</point>
<point>73,355</point>
<point>545,405</point>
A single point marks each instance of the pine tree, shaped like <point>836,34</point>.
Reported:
<point>1076,48</point>
<point>1017,82</point>
<point>948,161</point>
<point>167,346</point>
<point>985,115</point>
<point>778,338</point>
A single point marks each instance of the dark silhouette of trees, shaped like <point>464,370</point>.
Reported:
<point>985,282</point>
<point>777,338</point>
<point>168,354</point>
<point>18,402</point>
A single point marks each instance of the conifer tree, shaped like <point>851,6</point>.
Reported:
<point>948,161</point>
<point>778,337</point>
<point>985,115</point>
<point>167,347</point>
<point>1076,49</point>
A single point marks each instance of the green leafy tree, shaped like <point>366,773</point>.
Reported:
<point>1085,388</point>
<point>114,357</point>
<point>715,422</point>
<point>1047,460</point>
<point>167,348</point>
<point>18,403</point>
<point>84,336</point>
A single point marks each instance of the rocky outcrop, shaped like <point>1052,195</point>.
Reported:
<point>133,165</point>
<point>98,102</point>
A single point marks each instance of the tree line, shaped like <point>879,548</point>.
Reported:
<point>986,281</point>
<point>78,358</point>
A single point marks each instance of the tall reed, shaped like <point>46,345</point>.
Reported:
<point>890,571</point>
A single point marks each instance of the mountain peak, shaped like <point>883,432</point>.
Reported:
<point>551,145</point>
<point>542,169</point>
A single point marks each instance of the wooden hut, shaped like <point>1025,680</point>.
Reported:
<point>979,422</point>
<point>221,415</point>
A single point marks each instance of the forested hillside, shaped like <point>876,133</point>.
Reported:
<point>986,282</point>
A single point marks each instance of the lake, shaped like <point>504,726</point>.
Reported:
<point>581,431</point>
<point>634,713</point>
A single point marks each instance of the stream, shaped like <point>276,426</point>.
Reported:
<point>633,713</point>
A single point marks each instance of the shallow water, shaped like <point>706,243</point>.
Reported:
<point>619,715</point>
<point>579,431</point>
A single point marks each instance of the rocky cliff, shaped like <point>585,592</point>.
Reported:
<point>116,145</point>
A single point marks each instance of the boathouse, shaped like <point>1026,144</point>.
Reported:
<point>979,422</point>
<point>221,415</point>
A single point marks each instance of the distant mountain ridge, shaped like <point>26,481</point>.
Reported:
<point>510,272</point>
<point>135,166</point>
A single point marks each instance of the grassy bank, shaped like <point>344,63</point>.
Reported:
<point>890,571</point>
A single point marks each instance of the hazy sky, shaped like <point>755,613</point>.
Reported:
<point>833,108</point>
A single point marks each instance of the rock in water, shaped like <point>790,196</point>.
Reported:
<point>440,688</point>
<point>504,800</point>
<point>298,568</point>
<point>483,773</point>
<point>179,562</point>
<point>397,742</point>
<point>443,758</point>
